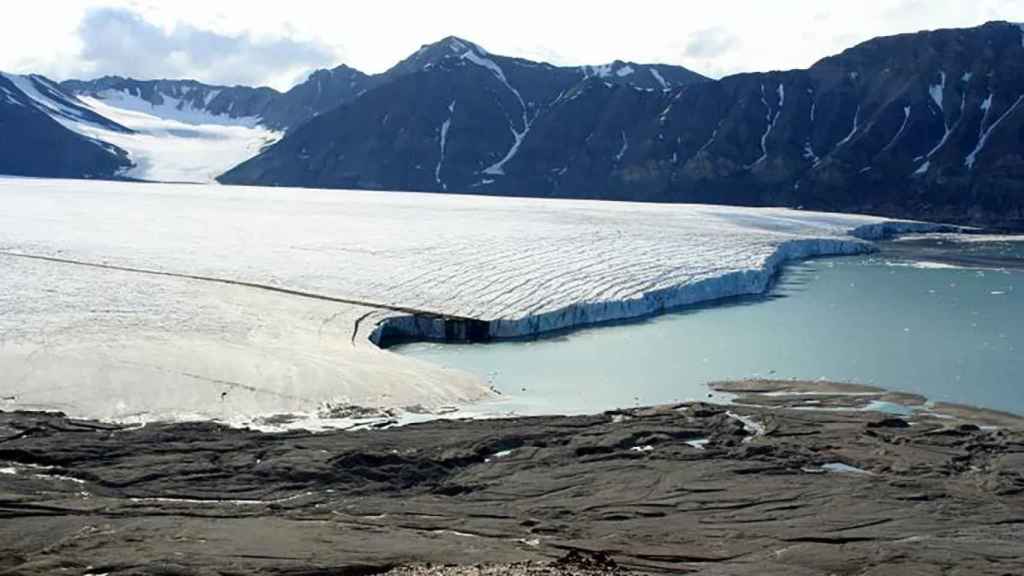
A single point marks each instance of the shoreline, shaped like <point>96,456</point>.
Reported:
<point>689,487</point>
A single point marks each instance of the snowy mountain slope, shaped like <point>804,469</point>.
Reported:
<point>927,125</point>
<point>188,131</point>
<point>183,147</point>
<point>494,101</point>
<point>184,100</point>
<point>173,141</point>
<point>34,143</point>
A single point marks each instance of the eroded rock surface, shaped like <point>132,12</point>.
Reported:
<point>693,488</point>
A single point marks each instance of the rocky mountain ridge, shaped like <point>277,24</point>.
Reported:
<point>927,125</point>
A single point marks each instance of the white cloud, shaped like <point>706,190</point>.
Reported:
<point>117,41</point>
<point>42,36</point>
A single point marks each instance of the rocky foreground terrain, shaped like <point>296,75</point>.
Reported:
<point>811,485</point>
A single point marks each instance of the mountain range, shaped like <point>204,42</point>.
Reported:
<point>927,125</point>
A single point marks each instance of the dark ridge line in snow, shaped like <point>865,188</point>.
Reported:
<point>242,283</point>
<point>413,324</point>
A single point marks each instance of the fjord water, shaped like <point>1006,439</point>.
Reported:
<point>941,319</point>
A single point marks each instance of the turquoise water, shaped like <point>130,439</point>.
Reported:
<point>940,319</point>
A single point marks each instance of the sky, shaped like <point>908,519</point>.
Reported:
<point>279,43</point>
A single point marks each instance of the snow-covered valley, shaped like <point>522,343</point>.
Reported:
<point>167,145</point>
<point>170,142</point>
<point>149,301</point>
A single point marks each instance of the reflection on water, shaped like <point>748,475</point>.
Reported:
<point>941,319</point>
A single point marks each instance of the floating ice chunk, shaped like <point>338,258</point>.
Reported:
<point>699,444</point>
<point>642,449</point>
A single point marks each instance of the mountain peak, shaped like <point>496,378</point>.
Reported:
<point>455,45</point>
<point>432,54</point>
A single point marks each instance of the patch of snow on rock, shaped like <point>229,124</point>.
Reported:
<point>657,76</point>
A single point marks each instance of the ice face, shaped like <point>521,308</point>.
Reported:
<point>113,343</point>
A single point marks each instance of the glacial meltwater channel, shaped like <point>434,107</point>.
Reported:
<point>943,319</point>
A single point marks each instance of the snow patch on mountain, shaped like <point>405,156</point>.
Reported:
<point>625,147</point>
<point>937,91</point>
<point>809,153</point>
<point>657,76</point>
<point>498,168</point>
<point>444,142</point>
<point>853,131</point>
<point>903,127</point>
<point>973,156</point>
<point>770,119</point>
<point>600,71</point>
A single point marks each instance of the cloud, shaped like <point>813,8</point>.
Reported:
<point>710,43</point>
<point>120,42</point>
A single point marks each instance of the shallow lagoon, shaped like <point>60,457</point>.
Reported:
<point>942,319</point>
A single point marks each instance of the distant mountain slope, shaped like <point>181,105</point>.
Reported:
<point>172,140</point>
<point>184,130</point>
<point>182,96</point>
<point>928,125</point>
<point>398,138</point>
<point>42,145</point>
<point>323,90</point>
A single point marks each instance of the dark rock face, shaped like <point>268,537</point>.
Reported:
<point>322,91</point>
<point>43,147</point>
<point>927,125</point>
<point>686,489</point>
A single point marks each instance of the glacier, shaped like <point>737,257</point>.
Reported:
<point>146,301</point>
<point>171,142</point>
